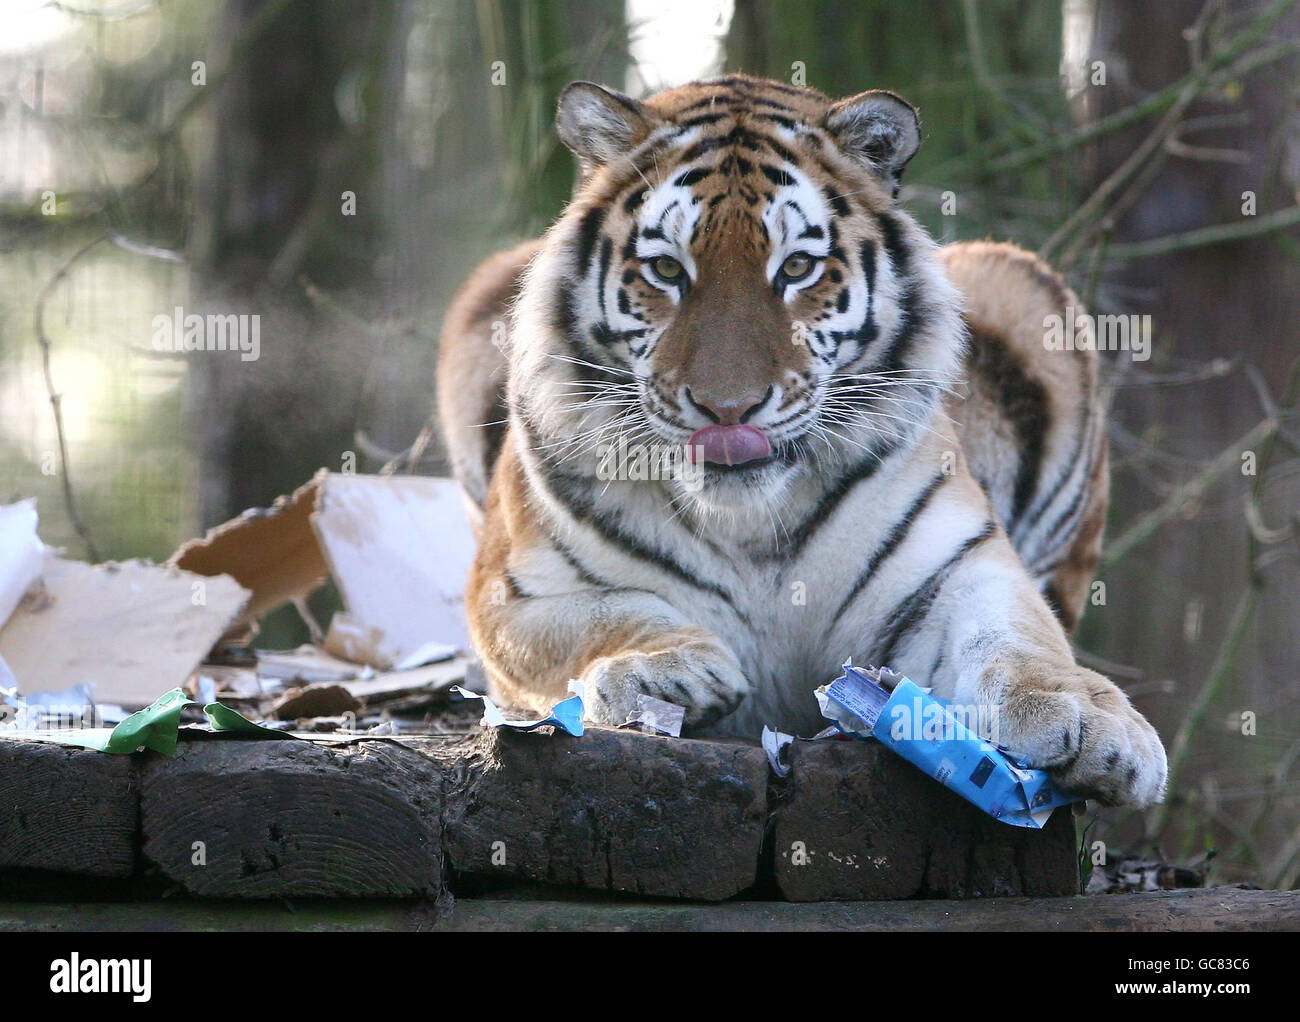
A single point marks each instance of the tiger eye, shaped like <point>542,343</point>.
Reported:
<point>796,267</point>
<point>666,267</point>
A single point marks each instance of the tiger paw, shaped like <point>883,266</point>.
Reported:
<point>702,679</point>
<point>1083,730</point>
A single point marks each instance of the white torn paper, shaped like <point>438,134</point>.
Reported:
<point>399,549</point>
<point>133,629</point>
<point>306,664</point>
<point>655,716</point>
<point>774,744</point>
<point>565,715</point>
<point>21,554</point>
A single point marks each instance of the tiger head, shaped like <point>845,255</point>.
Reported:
<point>734,279</point>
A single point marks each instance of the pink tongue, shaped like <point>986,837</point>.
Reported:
<point>728,445</point>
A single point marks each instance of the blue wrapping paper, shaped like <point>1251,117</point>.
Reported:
<point>565,715</point>
<point>924,730</point>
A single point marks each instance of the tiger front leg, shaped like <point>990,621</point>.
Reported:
<point>1078,725</point>
<point>1005,651</point>
<point>701,675</point>
<point>618,643</point>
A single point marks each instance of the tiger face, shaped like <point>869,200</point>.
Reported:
<point>735,281</point>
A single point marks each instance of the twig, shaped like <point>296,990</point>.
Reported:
<point>56,399</point>
<point>1218,233</point>
<point>1216,70</point>
<point>412,455</point>
<point>1223,664</point>
<point>1082,223</point>
<point>1236,632</point>
<point>1080,220</point>
<point>1282,873</point>
<point>371,449</point>
<point>1111,667</point>
<point>47,349</point>
<point>1267,449</point>
<point>1141,530</point>
<point>126,10</point>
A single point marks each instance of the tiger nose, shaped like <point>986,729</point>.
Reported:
<point>730,413</point>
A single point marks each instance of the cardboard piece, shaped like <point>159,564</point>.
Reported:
<point>399,549</point>
<point>389,686</point>
<point>315,701</point>
<point>272,552</point>
<point>306,664</point>
<point>133,629</point>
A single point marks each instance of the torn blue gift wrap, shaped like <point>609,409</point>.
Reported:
<point>566,714</point>
<point>927,732</point>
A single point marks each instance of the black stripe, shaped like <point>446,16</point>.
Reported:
<point>750,87</point>
<point>605,335</point>
<point>699,119</point>
<point>831,499</point>
<point>732,164</point>
<point>606,250</point>
<point>692,177</point>
<point>1066,517</point>
<point>564,317</point>
<point>735,137</point>
<point>588,229</point>
<point>838,202</point>
<point>778,176</point>
<point>581,569</point>
<point>1084,431</point>
<point>1023,402</point>
<point>894,246</point>
<point>912,610</point>
<point>513,588</point>
<point>634,199</point>
<point>938,657</point>
<point>711,100</point>
<point>787,155</point>
<point>866,331</point>
<point>892,542</point>
<point>1081,463</point>
<point>910,319</point>
<point>574,493</point>
<point>786,122</point>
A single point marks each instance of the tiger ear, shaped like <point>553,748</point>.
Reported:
<point>879,128</point>
<point>599,125</point>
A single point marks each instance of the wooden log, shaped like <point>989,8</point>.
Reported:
<point>613,810</point>
<point>1221,910</point>
<point>281,819</point>
<point>857,823</point>
<point>66,810</point>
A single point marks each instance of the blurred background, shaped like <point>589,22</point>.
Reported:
<point>338,168</point>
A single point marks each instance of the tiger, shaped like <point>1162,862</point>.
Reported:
<point>863,447</point>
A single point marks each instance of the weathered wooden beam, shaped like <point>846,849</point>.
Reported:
<point>283,819</point>
<point>856,823</point>
<point>613,810</point>
<point>1221,910</point>
<point>66,810</point>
